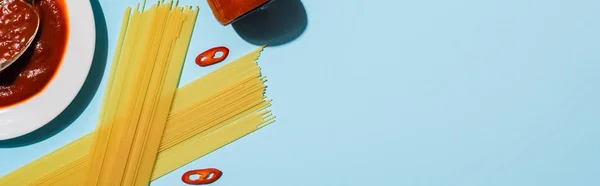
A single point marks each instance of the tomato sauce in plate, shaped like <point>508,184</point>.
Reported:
<point>30,74</point>
<point>18,23</point>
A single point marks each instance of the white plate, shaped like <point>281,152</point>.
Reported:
<point>28,116</point>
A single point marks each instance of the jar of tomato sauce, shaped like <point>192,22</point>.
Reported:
<point>228,11</point>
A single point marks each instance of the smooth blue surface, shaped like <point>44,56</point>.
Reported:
<point>419,93</point>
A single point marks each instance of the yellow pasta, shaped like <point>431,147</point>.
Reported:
<point>219,89</point>
<point>123,152</point>
<point>148,127</point>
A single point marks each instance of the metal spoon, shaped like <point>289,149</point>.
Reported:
<point>5,64</point>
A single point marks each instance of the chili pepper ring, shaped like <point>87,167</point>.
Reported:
<point>209,57</point>
<point>204,176</point>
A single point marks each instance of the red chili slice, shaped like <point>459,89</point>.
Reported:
<point>207,176</point>
<point>209,57</point>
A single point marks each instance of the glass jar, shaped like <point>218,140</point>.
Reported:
<point>228,11</point>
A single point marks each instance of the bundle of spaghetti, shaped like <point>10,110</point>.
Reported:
<point>207,104</point>
<point>123,152</point>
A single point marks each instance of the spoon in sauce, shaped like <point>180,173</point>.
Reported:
<point>19,24</point>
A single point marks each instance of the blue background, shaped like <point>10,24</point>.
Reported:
<point>393,92</point>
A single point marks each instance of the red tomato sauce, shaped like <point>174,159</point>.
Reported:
<point>18,24</point>
<point>30,74</point>
<point>226,11</point>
